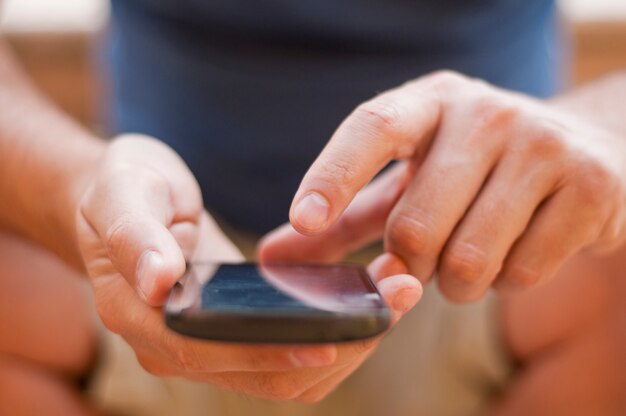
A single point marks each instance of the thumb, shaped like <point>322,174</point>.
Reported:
<point>129,214</point>
<point>148,256</point>
<point>362,223</point>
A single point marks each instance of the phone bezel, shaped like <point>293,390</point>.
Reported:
<point>280,326</point>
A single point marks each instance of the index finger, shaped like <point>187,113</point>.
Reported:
<point>391,126</point>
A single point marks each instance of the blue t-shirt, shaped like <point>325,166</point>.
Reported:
<point>249,91</point>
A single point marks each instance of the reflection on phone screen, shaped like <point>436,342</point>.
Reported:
<point>340,288</point>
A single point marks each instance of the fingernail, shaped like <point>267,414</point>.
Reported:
<point>313,357</point>
<point>149,263</point>
<point>312,211</point>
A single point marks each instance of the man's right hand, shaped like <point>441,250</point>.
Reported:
<point>139,220</point>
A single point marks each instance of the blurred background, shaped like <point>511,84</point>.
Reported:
<point>55,42</point>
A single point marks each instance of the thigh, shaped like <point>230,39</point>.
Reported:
<point>46,318</point>
<point>27,389</point>
<point>570,338</point>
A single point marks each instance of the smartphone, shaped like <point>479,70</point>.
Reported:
<point>276,303</point>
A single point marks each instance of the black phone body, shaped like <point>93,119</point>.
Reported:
<point>276,303</point>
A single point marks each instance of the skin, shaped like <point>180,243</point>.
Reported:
<point>530,195</point>
<point>569,337</point>
<point>129,214</point>
<point>139,220</point>
<point>503,188</point>
<point>40,298</point>
<point>570,332</point>
<point>132,229</point>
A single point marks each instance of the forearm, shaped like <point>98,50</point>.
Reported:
<point>44,159</point>
<point>600,102</point>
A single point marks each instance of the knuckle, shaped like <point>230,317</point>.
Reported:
<point>155,182</point>
<point>489,114</point>
<point>595,184</point>
<point>548,143</point>
<point>446,79</point>
<point>492,112</point>
<point>381,120</point>
<point>338,174</point>
<point>117,233</point>
<point>410,235</point>
<point>149,179</point>
<point>380,116</point>
<point>465,262</point>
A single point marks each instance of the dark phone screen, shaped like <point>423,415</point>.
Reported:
<point>272,288</point>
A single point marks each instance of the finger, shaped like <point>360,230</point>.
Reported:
<point>307,385</point>
<point>171,354</point>
<point>386,269</point>
<point>476,251</point>
<point>186,235</point>
<point>204,358</point>
<point>331,382</point>
<point>215,357</point>
<point>559,229</point>
<point>401,293</point>
<point>362,223</point>
<point>130,220</point>
<point>390,126</point>
<point>141,218</point>
<point>438,196</point>
<point>280,386</point>
<point>385,265</point>
<point>399,290</point>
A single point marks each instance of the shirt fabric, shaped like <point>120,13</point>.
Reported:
<point>249,91</point>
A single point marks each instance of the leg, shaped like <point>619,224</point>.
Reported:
<point>26,389</point>
<point>570,337</point>
<point>46,330</point>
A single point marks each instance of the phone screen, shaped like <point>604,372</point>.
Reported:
<point>276,303</point>
<point>271,288</point>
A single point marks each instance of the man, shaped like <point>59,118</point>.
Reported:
<point>128,210</point>
<point>490,183</point>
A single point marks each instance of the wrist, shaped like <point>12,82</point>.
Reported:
<point>597,103</point>
<point>82,172</point>
<point>44,159</point>
<point>74,180</point>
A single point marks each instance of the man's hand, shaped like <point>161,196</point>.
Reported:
<point>140,219</point>
<point>502,188</point>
